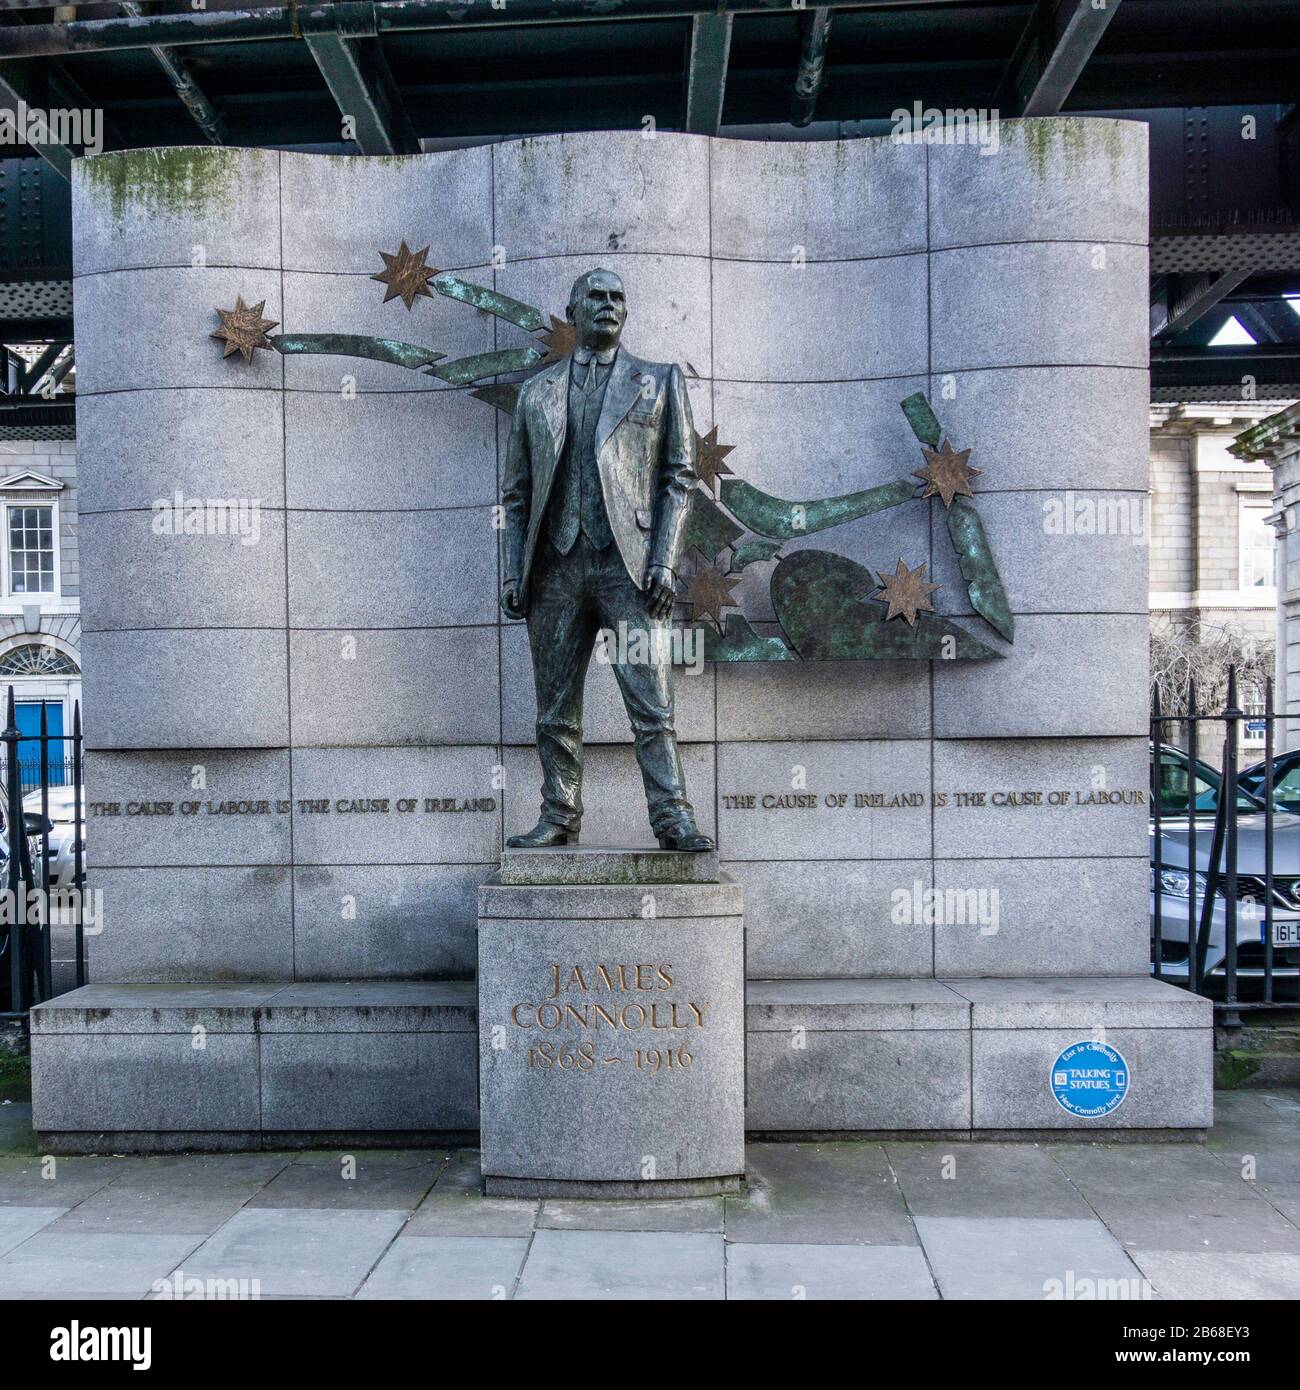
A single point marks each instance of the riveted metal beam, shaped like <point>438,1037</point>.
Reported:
<point>706,73</point>
<point>1053,50</point>
<point>814,36</point>
<point>361,83</point>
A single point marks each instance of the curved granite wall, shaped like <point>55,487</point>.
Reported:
<point>355,651</point>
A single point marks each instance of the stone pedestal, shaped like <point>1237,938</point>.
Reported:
<point>611,1025</point>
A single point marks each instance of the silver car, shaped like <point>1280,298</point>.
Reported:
<point>62,839</point>
<point>1187,799</point>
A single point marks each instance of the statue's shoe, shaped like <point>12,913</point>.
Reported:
<point>544,835</point>
<point>685,837</point>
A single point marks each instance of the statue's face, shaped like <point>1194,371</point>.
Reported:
<point>600,311</point>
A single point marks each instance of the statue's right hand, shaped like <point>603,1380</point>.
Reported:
<point>511,602</point>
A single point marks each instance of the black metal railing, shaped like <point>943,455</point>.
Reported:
<point>1238,939</point>
<point>45,885</point>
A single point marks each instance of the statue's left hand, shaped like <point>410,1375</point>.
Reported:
<point>660,589</point>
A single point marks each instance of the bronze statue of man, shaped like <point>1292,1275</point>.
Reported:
<point>599,473</point>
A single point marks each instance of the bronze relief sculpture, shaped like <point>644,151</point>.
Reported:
<point>599,475</point>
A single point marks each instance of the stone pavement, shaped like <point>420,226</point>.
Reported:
<point>820,1220</point>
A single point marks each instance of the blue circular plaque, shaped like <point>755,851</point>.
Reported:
<point>1089,1079</point>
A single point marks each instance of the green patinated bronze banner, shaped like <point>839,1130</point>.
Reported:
<point>983,583</point>
<point>490,301</point>
<point>782,520</point>
<point>464,370</point>
<point>742,643</point>
<point>389,350</point>
<point>822,601</point>
<point>708,528</point>
<point>924,422</point>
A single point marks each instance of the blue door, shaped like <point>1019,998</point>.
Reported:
<point>29,746</point>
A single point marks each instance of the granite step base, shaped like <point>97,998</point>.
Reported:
<point>140,1068</point>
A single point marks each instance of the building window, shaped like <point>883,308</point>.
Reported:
<point>1257,541</point>
<point>31,550</point>
<point>37,659</point>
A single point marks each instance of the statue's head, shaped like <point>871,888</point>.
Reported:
<point>597,309</point>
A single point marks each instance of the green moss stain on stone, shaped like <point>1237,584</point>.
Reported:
<point>1078,141</point>
<point>184,181</point>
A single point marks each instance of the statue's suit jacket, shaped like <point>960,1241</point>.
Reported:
<point>645,453</point>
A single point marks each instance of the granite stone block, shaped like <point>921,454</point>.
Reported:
<point>319,303</point>
<point>369,1006</point>
<point>145,1081</point>
<point>827,699</point>
<point>1135,1002</point>
<point>419,686</point>
<point>834,918</point>
<point>793,786</point>
<point>802,440</point>
<point>147,577</point>
<point>545,902</point>
<point>210,688</point>
<point>412,449</point>
<point>631,1107</point>
<point>543,205</point>
<point>132,457</point>
<point>1068,676</point>
<point>1050,179</point>
<point>1057,551</point>
<point>385,921</point>
<point>858,1080</point>
<point>368,1081</point>
<point>158,1009</point>
<point>1169,1068</point>
<point>239,815</point>
<point>1102,785</point>
<point>194,924</point>
<point>177,350</point>
<point>1041,917</point>
<point>607,865</point>
<point>396,806</point>
<point>345,209</point>
<point>390,569</point>
<point>854,1005</point>
<point>1003,418</point>
<point>165,207</point>
<point>835,199</point>
<point>1088,306</point>
<point>750,298</point>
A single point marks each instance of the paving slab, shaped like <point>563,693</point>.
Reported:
<point>462,1173</point>
<point>451,1267</point>
<point>45,1181</point>
<point>1160,1223</point>
<point>18,1223</point>
<point>1176,1172</point>
<point>620,1265</point>
<point>1024,1258</point>
<point>819,1194</point>
<point>976,1179</point>
<point>692,1214</point>
<point>1219,1275</point>
<point>799,1272</point>
<point>1284,1196</point>
<point>298,1250</point>
<point>382,1181</point>
<point>91,1265</point>
<point>464,1214</point>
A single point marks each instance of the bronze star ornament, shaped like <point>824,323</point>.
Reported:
<point>947,473</point>
<point>907,592</point>
<point>406,275</point>
<point>709,455</point>
<point>243,329</point>
<point>708,593</point>
<point>559,339</point>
